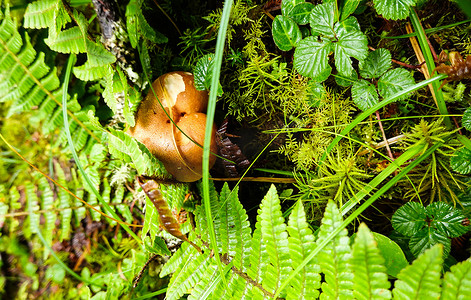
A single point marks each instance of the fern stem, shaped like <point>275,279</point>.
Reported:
<point>70,63</point>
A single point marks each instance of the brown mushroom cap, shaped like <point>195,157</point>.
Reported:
<point>187,106</point>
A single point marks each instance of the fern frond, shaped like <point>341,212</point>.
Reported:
<point>275,237</point>
<point>4,207</point>
<point>32,206</point>
<point>306,284</point>
<point>457,282</point>
<point>237,228</point>
<point>64,203</point>
<point>128,149</point>
<point>176,260</point>
<point>370,280</point>
<point>421,280</point>
<point>204,284</point>
<point>334,257</point>
<point>47,205</point>
<point>44,13</point>
<point>188,274</point>
<point>258,263</point>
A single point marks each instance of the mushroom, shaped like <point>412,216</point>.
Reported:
<point>179,148</point>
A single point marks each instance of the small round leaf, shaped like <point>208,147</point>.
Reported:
<point>286,33</point>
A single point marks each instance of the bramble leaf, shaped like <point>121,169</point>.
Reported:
<point>409,218</point>
<point>286,33</point>
<point>350,44</point>
<point>467,119</point>
<point>461,162</point>
<point>202,74</point>
<point>446,219</point>
<point>394,81</point>
<point>394,9</point>
<point>322,20</point>
<point>376,63</point>
<point>426,238</point>
<point>364,94</point>
<point>311,58</point>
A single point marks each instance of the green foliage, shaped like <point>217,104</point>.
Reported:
<point>392,9</point>
<point>349,271</point>
<point>427,226</point>
<point>388,83</point>
<point>342,36</point>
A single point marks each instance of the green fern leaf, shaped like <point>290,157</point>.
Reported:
<point>370,280</point>
<point>32,207</point>
<point>237,228</point>
<point>204,286</point>
<point>306,284</point>
<point>187,275</point>
<point>47,205</point>
<point>275,237</point>
<point>64,203</point>
<point>258,263</point>
<point>176,260</point>
<point>334,257</point>
<point>457,282</point>
<point>128,149</point>
<point>4,207</point>
<point>67,41</point>
<point>44,13</point>
<point>151,221</point>
<point>421,280</point>
<point>88,72</point>
<point>106,194</point>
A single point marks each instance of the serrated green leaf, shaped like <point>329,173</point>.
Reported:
<point>394,81</point>
<point>426,238</point>
<point>286,33</point>
<point>364,94</point>
<point>376,63</point>
<point>461,161</point>
<point>301,13</point>
<point>409,218</point>
<point>421,280</point>
<point>467,119</point>
<point>349,24</point>
<point>395,260</point>
<point>446,219</point>
<point>322,20</point>
<point>394,9</point>
<point>349,44</point>
<point>347,7</point>
<point>457,282</point>
<point>370,280</point>
<point>311,58</point>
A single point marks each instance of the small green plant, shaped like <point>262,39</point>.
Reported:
<point>387,83</point>
<point>428,226</point>
<point>333,30</point>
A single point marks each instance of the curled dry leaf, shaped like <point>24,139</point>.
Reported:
<point>460,68</point>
